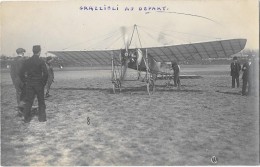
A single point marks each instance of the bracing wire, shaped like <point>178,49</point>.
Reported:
<point>139,37</point>
<point>188,14</point>
<point>132,36</point>
<point>174,37</point>
<point>123,34</point>
<point>105,40</point>
<point>80,43</point>
<point>151,36</point>
<point>193,15</point>
<point>199,35</point>
<point>115,41</point>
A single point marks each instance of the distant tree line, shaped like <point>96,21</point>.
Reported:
<point>7,60</point>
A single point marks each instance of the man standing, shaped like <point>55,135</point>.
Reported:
<point>176,73</point>
<point>235,70</point>
<point>50,75</point>
<point>36,80</point>
<point>16,66</point>
<point>245,77</point>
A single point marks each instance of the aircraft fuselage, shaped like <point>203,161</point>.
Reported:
<point>137,63</point>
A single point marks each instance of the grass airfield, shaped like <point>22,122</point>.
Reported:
<point>89,125</point>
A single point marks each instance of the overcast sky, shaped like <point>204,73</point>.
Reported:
<point>61,25</point>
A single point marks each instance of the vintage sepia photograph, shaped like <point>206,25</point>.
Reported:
<point>129,83</point>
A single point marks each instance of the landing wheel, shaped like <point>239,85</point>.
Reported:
<point>116,85</point>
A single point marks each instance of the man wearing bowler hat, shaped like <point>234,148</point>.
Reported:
<point>235,70</point>
<point>36,80</point>
<point>16,66</point>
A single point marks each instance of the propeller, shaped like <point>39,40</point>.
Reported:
<point>138,62</point>
<point>125,57</point>
<point>139,57</point>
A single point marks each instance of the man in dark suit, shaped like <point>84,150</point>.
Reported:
<point>16,66</point>
<point>176,73</point>
<point>246,76</point>
<point>36,80</point>
<point>235,70</point>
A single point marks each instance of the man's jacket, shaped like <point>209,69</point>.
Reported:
<point>245,69</point>
<point>235,69</point>
<point>176,69</point>
<point>16,67</point>
<point>36,71</point>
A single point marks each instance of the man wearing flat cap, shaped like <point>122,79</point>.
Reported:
<point>235,71</point>
<point>50,75</point>
<point>176,73</point>
<point>16,66</point>
<point>36,80</point>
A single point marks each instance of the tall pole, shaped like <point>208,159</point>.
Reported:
<point>148,77</point>
<point>138,37</point>
<point>147,63</point>
<point>120,57</point>
<point>132,35</point>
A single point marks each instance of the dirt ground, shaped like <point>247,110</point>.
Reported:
<point>89,125</point>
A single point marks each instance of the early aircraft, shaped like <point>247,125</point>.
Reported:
<point>151,59</point>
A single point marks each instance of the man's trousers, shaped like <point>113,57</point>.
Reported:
<point>31,91</point>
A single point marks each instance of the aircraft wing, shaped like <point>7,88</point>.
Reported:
<point>87,58</point>
<point>197,51</point>
<point>193,51</point>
